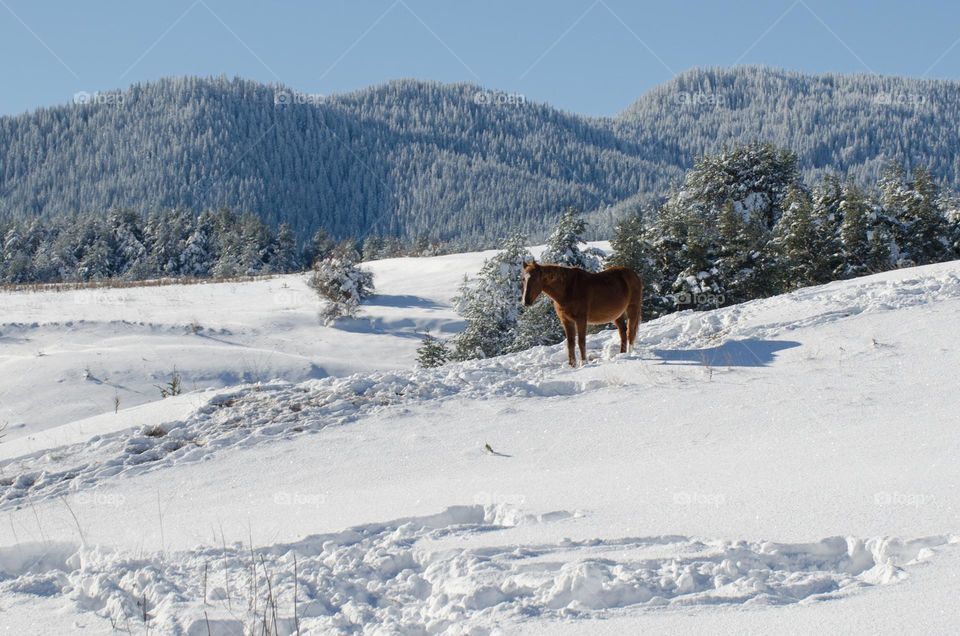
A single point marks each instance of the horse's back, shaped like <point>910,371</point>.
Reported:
<point>608,293</point>
<point>626,275</point>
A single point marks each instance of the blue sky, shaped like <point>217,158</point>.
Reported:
<point>587,56</point>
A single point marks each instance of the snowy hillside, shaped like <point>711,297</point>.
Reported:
<point>782,465</point>
<point>68,355</point>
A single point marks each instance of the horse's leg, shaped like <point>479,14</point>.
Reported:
<point>582,339</point>
<point>622,328</point>
<point>634,316</point>
<point>570,329</point>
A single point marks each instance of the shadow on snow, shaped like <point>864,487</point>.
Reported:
<point>734,353</point>
<point>401,301</point>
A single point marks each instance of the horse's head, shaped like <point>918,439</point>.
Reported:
<point>532,282</point>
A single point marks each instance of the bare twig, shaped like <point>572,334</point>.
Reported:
<point>83,539</point>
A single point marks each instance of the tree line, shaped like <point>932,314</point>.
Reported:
<point>125,245</point>
<point>743,225</point>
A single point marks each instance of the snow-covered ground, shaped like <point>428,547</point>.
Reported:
<point>68,355</point>
<point>786,465</point>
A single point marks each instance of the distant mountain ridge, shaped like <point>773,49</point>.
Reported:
<point>454,161</point>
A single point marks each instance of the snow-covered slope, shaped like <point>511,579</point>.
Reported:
<point>738,470</point>
<point>68,355</point>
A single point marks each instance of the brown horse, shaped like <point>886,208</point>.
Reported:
<point>581,298</point>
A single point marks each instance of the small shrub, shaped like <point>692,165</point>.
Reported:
<point>432,353</point>
<point>173,387</point>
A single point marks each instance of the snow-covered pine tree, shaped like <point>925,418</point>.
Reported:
<point>491,303</point>
<point>166,233</point>
<point>15,263</point>
<point>537,326</point>
<point>54,259</point>
<point>712,234</point>
<point>433,352</point>
<point>754,177</point>
<point>284,258</point>
<point>864,235</point>
<point>745,265</point>
<point>666,237</point>
<point>130,253</point>
<point>198,256</point>
<point>794,242</point>
<point>563,245</point>
<point>697,285</point>
<point>95,264</point>
<point>629,246</point>
<point>950,204</point>
<point>340,282</point>
<point>255,245</point>
<point>923,229</point>
<point>319,246</point>
<point>372,247</point>
<point>827,253</point>
<point>228,245</point>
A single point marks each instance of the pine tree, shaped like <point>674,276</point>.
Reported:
<point>255,245</point>
<point>826,255</point>
<point>319,246</point>
<point>284,259</point>
<point>795,242</point>
<point>340,282</point>
<point>923,227</point>
<point>198,256</point>
<point>950,204</point>
<point>228,245</point>
<point>698,284</point>
<point>563,245</point>
<point>864,238</point>
<point>15,262</point>
<point>631,247</point>
<point>537,326</point>
<point>127,236</point>
<point>432,352</point>
<point>666,237</point>
<point>491,303</point>
<point>372,247</point>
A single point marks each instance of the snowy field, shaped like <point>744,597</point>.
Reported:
<point>66,356</point>
<point>785,465</point>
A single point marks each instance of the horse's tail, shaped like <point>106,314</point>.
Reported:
<point>637,287</point>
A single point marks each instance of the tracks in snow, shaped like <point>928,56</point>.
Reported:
<point>400,576</point>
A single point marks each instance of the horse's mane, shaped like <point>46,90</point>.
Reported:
<point>558,273</point>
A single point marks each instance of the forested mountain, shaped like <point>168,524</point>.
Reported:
<point>847,124</point>
<point>454,161</point>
